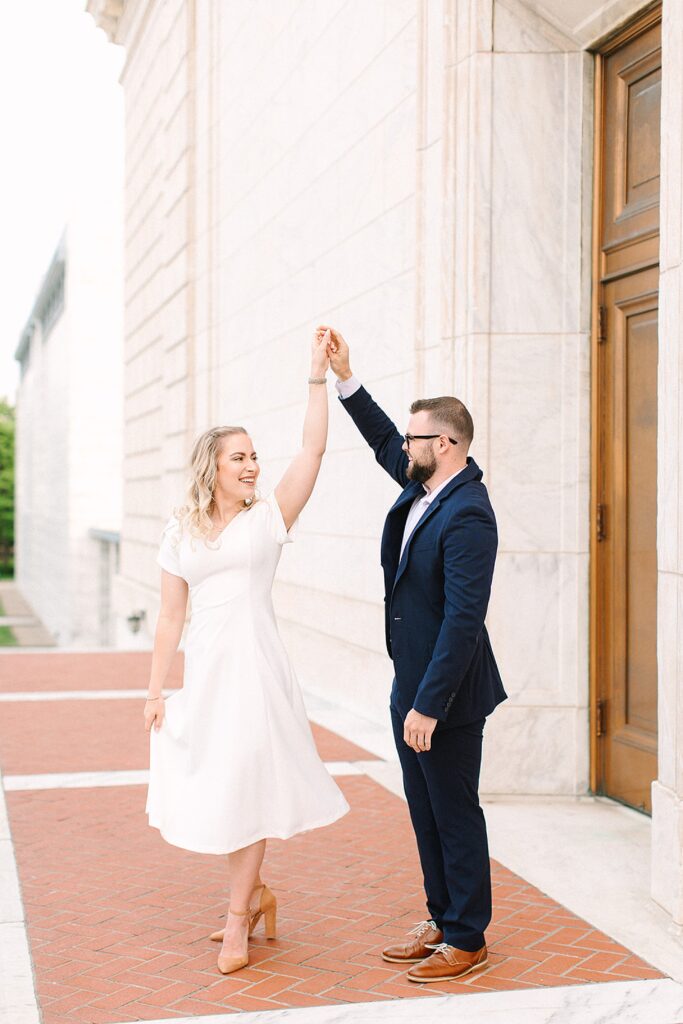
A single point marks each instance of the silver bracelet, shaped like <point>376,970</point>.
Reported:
<point>317,380</point>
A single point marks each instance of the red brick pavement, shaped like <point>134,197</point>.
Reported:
<point>100,735</point>
<point>118,920</point>
<point>88,671</point>
<point>93,735</point>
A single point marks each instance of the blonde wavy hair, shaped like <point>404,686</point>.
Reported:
<point>195,514</point>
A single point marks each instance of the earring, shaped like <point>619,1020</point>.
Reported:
<point>248,502</point>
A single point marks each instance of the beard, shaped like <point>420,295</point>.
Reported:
<point>421,471</point>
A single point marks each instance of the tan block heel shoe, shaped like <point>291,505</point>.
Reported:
<point>267,907</point>
<point>228,964</point>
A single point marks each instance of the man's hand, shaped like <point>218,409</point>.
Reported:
<point>338,352</point>
<point>417,730</point>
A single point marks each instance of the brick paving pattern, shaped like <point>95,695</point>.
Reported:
<point>118,920</point>
<point>100,735</point>
<point>96,671</point>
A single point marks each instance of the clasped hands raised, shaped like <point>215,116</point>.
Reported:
<point>335,348</point>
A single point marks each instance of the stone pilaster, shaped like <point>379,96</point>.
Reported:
<point>667,791</point>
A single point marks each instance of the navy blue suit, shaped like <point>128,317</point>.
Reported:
<point>436,596</point>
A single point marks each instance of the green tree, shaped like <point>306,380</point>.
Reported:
<point>7,421</point>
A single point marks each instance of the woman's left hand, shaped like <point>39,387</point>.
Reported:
<point>320,360</point>
<point>154,713</point>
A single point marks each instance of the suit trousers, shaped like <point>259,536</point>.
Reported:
<point>441,787</point>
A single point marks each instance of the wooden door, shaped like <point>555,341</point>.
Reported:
<point>624,470</point>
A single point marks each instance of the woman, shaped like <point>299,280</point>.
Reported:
<point>232,758</point>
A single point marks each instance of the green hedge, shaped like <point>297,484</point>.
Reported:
<point>7,430</point>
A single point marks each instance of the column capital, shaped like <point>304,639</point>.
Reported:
<point>107,14</point>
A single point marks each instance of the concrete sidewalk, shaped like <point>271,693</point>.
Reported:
<point>21,618</point>
<point>103,922</point>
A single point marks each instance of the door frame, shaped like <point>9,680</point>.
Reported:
<point>644,20</point>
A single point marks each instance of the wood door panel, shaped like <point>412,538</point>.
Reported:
<point>632,101</point>
<point>628,551</point>
<point>624,472</point>
<point>643,150</point>
<point>641,520</point>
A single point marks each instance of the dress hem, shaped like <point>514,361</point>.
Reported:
<point>255,839</point>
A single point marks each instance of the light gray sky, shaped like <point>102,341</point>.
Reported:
<point>54,67</point>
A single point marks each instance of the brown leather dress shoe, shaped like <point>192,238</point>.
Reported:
<point>448,964</point>
<point>420,942</point>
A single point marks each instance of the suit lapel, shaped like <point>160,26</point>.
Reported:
<point>427,514</point>
<point>406,497</point>
<point>396,521</point>
<point>470,472</point>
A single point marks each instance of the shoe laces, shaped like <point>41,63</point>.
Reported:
<point>422,927</point>
<point>447,952</point>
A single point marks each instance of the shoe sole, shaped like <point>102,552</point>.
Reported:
<point>451,977</point>
<point>404,959</point>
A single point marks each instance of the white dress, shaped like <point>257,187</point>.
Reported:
<point>234,760</point>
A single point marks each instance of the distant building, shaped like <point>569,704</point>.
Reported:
<point>69,418</point>
<point>485,197</point>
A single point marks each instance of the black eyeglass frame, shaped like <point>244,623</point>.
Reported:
<point>425,437</point>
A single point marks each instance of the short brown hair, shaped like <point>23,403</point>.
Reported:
<point>448,412</point>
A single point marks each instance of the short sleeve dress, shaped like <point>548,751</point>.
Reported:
<point>234,760</point>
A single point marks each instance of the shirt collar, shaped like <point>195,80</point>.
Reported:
<point>430,495</point>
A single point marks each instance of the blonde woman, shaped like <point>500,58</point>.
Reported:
<point>232,758</point>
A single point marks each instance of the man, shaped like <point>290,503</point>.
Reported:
<point>438,553</point>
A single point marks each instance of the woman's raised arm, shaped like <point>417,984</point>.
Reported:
<point>298,480</point>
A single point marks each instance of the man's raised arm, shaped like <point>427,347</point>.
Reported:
<point>373,423</point>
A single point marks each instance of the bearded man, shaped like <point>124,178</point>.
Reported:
<point>438,553</point>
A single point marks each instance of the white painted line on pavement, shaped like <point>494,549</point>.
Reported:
<point>18,1000</point>
<point>126,777</point>
<point>38,695</point>
<point>75,780</point>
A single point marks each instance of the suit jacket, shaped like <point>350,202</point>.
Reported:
<point>437,592</point>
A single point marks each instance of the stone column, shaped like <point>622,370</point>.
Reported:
<point>667,791</point>
<point>516,342</point>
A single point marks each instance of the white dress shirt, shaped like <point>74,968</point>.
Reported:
<point>346,388</point>
<point>420,506</point>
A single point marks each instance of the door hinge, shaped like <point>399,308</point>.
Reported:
<point>600,517</point>
<point>602,324</point>
<point>600,724</point>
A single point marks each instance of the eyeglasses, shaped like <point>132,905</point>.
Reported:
<point>424,437</point>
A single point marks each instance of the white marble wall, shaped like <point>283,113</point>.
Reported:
<point>321,228</point>
<point>488,296</point>
<point>667,791</point>
<point>416,173</point>
<point>419,173</point>
<point>582,21</point>
<point>159,79</point>
<point>270,182</point>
